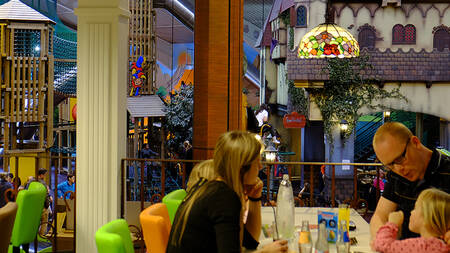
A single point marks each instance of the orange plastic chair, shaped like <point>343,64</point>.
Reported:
<point>156,226</point>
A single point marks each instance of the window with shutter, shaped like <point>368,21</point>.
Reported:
<point>366,38</point>
<point>398,34</point>
<point>441,39</point>
<point>410,34</point>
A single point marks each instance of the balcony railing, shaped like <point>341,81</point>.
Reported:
<point>147,180</point>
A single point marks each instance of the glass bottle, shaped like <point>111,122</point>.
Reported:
<point>343,243</point>
<point>304,240</point>
<point>285,214</point>
<point>322,243</point>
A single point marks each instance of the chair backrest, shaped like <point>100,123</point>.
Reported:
<point>7,217</point>
<point>172,201</point>
<point>155,227</point>
<point>30,204</point>
<point>114,237</point>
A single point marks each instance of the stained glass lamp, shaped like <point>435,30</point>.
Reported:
<point>328,40</point>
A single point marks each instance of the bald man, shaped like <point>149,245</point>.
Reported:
<point>411,168</point>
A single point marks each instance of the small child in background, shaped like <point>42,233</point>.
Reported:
<point>204,169</point>
<point>430,218</point>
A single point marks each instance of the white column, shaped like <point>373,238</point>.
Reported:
<point>101,122</point>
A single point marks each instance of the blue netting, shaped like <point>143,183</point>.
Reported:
<point>65,45</point>
<point>65,77</point>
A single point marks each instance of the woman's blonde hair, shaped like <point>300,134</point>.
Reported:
<point>435,206</point>
<point>204,169</point>
<point>233,156</point>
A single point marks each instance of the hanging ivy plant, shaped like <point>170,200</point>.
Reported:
<point>285,17</point>
<point>291,38</point>
<point>298,98</point>
<point>346,92</point>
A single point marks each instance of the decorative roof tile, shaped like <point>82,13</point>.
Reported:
<point>16,10</point>
<point>387,65</point>
<point>145,106</point>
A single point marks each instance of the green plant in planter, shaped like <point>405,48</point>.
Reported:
<point>346,92</point>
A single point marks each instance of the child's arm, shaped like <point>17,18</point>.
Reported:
<point>386,242</point>
<point>386,239</point>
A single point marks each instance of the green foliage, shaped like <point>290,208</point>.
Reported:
<point>346,92</point>
<point>298,98</point>
<point>291,38</point>
<point>179,117</point>
<point>285,17</point>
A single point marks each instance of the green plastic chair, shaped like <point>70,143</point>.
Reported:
<point>30,204</point>
<point>114,237</point>
<point>172,201</point>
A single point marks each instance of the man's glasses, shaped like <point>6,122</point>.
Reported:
<point>399,160</point>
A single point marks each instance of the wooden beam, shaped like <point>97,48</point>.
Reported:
<point>218,72</point>
<point>50,102</point>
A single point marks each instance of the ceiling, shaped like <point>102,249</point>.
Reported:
<point>173,30</point>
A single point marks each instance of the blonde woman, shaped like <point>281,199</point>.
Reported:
<point>430,218</point>
<point>204,170</point>
<point>210,219</point>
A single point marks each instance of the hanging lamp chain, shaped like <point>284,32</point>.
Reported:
<point>329,14</point>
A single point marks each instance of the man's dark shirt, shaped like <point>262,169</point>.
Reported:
<point>404,193</point>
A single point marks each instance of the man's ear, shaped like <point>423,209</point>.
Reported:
<point>415,141</point>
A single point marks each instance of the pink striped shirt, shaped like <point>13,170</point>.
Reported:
<point>386,242</point>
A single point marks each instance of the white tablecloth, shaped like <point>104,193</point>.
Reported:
<point>361,233</point>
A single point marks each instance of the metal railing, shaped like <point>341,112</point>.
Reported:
<point>162,165</point>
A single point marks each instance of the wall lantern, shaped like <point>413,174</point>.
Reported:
<point>387,115</point>
<point>344,127</point>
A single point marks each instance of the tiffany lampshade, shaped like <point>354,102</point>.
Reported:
<point>328,40</point>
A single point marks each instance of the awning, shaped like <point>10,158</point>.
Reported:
<point>145,106</point>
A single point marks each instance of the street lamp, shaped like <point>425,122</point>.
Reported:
<point>270,153</point>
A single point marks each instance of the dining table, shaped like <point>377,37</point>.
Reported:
<point>360,235</point>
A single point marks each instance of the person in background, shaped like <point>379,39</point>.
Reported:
<point>211,217</point>
<point>187,155</point>
<point>411,168</point>
<point>430,218</point>
<point>147,153</point>
<point>381,181</point>
<point>4,186</point>
<point>42,173</point>
<point>10,178</point>
<point>204,170</point>
<point>262,114</point>
<point>27,183</point>
<point>66,186</point>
